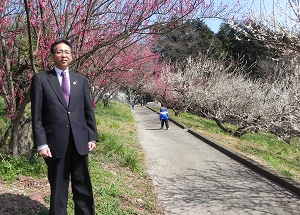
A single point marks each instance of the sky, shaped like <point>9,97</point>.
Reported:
<point>214,24</point>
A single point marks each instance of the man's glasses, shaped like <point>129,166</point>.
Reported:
<point>61,52</point>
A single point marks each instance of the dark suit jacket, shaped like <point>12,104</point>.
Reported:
<point>52,119</point>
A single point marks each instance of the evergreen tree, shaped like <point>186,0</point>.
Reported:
<point>238,45</point>
<point>188,40</point>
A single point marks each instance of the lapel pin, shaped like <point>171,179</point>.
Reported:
<point>75,82</point>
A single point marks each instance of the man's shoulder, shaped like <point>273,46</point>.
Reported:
<point>42,73</point>
<point>77,74</point>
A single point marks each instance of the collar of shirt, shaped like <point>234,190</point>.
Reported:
<point>58,73</point>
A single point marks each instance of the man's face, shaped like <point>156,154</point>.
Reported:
<point>62,56</point>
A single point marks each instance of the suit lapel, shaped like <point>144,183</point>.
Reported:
<point>54,83</point>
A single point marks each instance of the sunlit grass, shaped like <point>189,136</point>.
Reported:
<point>117,165</point>
<point>120,183</point>
<point>11,168</point>
<point>131,161</point>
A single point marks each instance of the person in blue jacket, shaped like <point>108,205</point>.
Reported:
<point>164,117</point>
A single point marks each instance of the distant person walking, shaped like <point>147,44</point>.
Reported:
<point>164,117</point>
<point>142,100</point>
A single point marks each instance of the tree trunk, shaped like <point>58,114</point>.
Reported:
<point>244,130</point>
<point>219,123</point>
<point>105,102</point>
<point>14,139</point>
<point>21,143</point>
<point>176,112</point>
<point>5,137</point>
<point>25,143</point>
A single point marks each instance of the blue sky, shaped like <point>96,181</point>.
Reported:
<point>214,24</point>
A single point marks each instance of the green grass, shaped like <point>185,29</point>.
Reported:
<point>4,121</point>
<point>121,185</point>
<point>11,168</point>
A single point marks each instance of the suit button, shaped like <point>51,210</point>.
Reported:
<point>69,112</point>
<point>67,126</point>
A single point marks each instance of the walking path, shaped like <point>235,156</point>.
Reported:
<point>192,178</point>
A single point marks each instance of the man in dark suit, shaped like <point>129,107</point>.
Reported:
<point>64,130</point>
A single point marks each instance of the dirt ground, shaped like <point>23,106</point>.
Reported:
<point>25,196</point>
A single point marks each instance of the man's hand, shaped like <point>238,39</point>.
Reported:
<point>92,145</point>
<point>45,153</point>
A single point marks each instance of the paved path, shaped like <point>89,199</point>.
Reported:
<point>192,178</point>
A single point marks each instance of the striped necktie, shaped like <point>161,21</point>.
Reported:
<point>65,86</point>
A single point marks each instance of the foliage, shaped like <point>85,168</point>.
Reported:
<point>237,46</point>
<point>188,40</point>
<point>3,119</point>
<point>11,168</point>
<point>102,33</point>
<point>273,31</point>
<point>206,87</point>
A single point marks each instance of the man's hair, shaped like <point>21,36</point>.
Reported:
<point>56,42</point>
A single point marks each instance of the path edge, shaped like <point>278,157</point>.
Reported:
<point>252,164</point>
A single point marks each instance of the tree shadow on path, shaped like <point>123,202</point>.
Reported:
<point>221,191</point>
<point>14,204</point>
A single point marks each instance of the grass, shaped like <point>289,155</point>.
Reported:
<point>120,183</point>
<point>11,168</point>
<point>117,166</point>
<point>262,147</point>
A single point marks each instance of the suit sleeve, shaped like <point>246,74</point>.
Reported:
<point>36,95</point>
